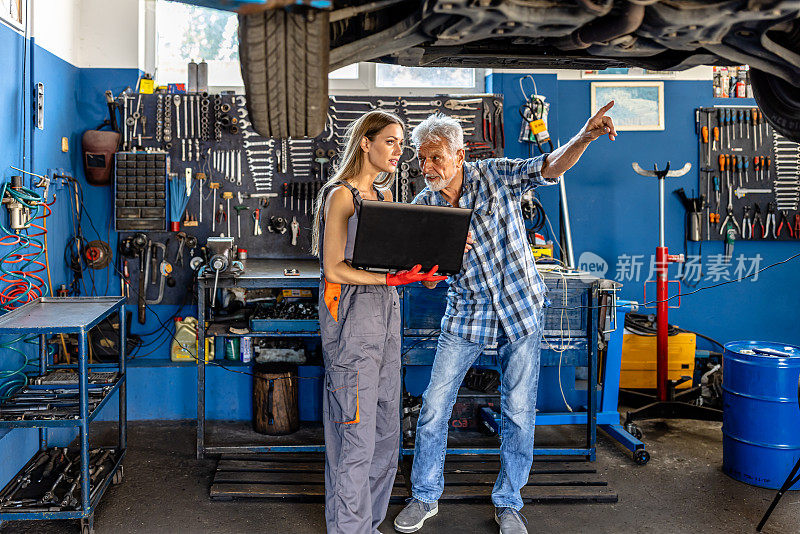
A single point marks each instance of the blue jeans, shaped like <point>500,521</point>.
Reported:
<point>519,363</point>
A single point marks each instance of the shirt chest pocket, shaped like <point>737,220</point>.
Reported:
<point>485,211</point>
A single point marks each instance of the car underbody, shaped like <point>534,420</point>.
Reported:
<point>555,34</point>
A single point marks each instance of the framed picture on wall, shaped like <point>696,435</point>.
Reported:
<point>637,105</point>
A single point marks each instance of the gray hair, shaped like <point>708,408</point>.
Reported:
<point>439,127</point>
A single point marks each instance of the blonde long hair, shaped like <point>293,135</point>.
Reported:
<point>351,163</point>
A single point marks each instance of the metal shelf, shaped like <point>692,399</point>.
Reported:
<point>23,513</point>
<point>59,315</point>
<point>72,315</point>
<point>64,423</point>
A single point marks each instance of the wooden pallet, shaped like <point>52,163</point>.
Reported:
<point>300,477</point>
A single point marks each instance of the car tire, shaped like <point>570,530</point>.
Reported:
<point>284,62</point>
<point>779,101</point>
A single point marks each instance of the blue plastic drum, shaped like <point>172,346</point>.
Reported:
<point>761,417</point>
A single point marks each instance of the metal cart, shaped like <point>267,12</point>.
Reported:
<point>72,315</point>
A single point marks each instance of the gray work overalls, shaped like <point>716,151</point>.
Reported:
<point>360,330</point>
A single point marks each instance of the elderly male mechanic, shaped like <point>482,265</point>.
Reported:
<point>497,298</point>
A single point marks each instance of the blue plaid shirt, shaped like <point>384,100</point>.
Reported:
<point>498,289</point>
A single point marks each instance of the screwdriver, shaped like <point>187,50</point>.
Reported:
<point>729,124</point>
<point>721,161</point>
<point>285,193</point>
<point>729,165</point>
<point>746,166</point>
<point>747,123</point>
<point>720,125</point>
<point>738,162</point>
<point>704,131</point>
<point>716,189</point>
<point>726,121</point>
<point>716,137</point>
<point>740,116</point>
<point>754,118</point>
<point>761,163</point>
<point>766,169</point>
<point>757,167</point>
<point>760,128</point>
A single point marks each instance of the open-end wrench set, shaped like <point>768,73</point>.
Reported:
<point>51,481</point>
<point>480,116</point>
<point>749,176</point>
<point>236,183</point>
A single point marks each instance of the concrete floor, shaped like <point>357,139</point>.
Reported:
<point>682,489</point>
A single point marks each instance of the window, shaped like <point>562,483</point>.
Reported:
<point>349,72</point>
<point>185,33</point>
<point>386,79</point>
<point>398,76</point>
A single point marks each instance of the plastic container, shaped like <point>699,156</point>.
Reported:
<point>761,415</point>
<point>232,349</point>
<point>639,363</point>
<point>246,348</point>
<point>184,345</point>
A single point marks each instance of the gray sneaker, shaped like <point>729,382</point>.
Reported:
<point>510,521</point>
<point>411,518</point>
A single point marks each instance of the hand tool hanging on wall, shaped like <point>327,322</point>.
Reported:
<point>694,214</point>
<point>138,244</point>
<point>534,112</point>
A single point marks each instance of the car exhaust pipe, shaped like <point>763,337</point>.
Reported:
<point>605,28</point>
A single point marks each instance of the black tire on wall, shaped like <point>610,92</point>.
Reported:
<point>779,101</point>
<point>284,62</point>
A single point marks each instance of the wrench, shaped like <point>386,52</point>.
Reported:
<point>257,152</point>
<point>177,101</point>
<point>270,143</point>
<point>246,134</point>
<point>244,123</point>
<point>434,103</point>
<point>242,113</point>
<point>353,102</point>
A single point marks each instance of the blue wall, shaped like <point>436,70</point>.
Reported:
<point>40,153</point>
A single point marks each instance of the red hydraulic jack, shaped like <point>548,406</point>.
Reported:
<point>667,404</point>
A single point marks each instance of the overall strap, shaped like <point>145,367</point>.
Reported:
<point>356,203</point>
<point>356,196</point>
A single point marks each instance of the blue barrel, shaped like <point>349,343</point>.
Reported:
<point>761,417</point>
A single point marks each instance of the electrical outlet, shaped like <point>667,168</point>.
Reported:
<point>64,144</point>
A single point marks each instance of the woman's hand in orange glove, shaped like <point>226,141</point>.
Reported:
<point>408,277</point>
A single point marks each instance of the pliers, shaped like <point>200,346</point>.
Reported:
<point>747,224</point>
<point>771,207</point>
<point>487,123</point>
<point>785,220</point>
<point>498,123</point>
<point>730,217</point>
<point>757,220</point>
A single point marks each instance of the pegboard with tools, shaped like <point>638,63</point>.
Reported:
<point>749,175</point>
<point>223,178</point>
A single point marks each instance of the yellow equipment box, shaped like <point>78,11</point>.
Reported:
<point>639,360</point>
